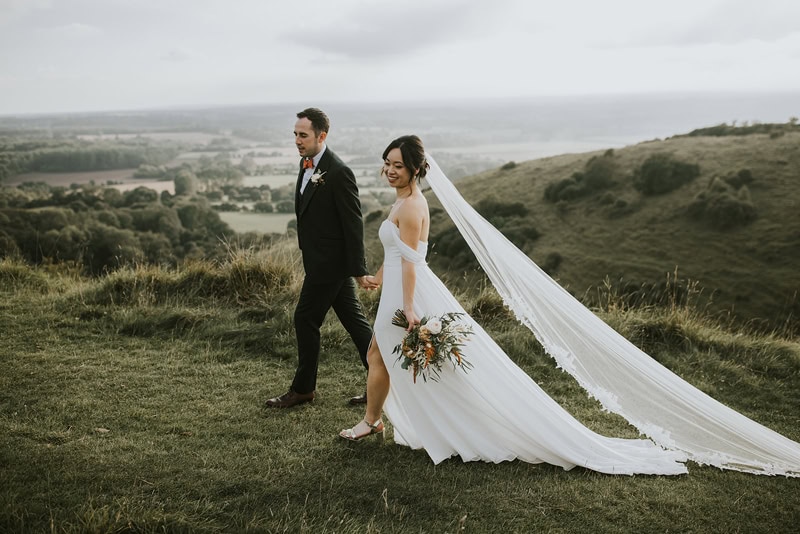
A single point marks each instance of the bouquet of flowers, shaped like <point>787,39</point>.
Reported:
<point>434,341</point>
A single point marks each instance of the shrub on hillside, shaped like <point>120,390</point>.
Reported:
<point>140,195</point>
<point>737,180</point>
<point>598,174</point>
<point>510,218</point>
<point>721,130</point>
<point>551,263</point>
<point>662,173</point>
<point>263,207</point>
<point>450,245</point>
<point>722,206</point>
<point>109,248</point>
<point>520,232</point>
<point>157,219</point>
<point>492,208</point>
<point>112,197</point>
<point>64,244</point>
<point>616,206</point>
<point>566,189</point>
<point>157,249</point>
<point>13,197</point>
<point>508,166</point>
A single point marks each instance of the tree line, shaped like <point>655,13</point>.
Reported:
<point>100,229</point>
<point>19,156</point>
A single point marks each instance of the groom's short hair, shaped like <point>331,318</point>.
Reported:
<point>319,121</point>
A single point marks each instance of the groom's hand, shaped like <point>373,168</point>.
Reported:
<point>367,282</point>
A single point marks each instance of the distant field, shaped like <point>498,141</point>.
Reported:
<point>272,180</point>
<point>124,177</point>
<point>257,222</point>
<point>67,178</point>
<point>185,137</point>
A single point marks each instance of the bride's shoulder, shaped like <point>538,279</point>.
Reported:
<point>418,202</point>
<point>413,206</point>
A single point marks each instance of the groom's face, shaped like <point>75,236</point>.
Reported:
<point>307,141</point>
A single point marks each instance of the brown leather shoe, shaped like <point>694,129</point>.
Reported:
<point>289,399</point>
<point>358,399</point>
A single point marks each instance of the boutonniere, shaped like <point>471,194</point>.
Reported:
<point>317,178</point>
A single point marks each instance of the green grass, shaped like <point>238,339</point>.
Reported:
<point>145,414</point>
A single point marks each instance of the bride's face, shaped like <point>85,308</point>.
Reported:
<point>396,172</point>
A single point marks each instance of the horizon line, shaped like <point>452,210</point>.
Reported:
<point>445,102</point>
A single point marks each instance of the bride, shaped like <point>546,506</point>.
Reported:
<point>496,412</point>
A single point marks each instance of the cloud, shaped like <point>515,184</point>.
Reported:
<point>74,30</point>
<point>377,31</point>
<point>13,10</point>
<point>738,21</point>
<point>730,22</point>
<point>176,55</point>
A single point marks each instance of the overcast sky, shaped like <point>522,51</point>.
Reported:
<point>86,55</point>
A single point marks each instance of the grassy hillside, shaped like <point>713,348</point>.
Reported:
<point>620,237</point>
<point>133,403</point>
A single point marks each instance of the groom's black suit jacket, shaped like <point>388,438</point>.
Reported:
<point>330,230</point>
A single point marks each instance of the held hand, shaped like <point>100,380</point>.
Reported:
<point>367,282</point>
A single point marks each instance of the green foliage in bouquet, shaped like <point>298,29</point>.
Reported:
<point>434,341</point>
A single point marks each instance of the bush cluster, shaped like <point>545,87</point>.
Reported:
<point>102,229</point>
<point>598,174</point>
<point>722,205</point>
<point>662,173</point>
<point>616,206</point>
<point>551,263</point>
<point>511,218</point>
<point>508,166</point>
<point>722,130</point>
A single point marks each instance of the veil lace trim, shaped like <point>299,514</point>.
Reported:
<point>624,379</point>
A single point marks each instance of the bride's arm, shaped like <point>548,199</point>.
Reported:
<point>410,222</point>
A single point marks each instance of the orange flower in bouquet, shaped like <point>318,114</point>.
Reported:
<point>431,343</point>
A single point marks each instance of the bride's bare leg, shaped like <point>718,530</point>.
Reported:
<point>377,383</point>
<point>377,390</point>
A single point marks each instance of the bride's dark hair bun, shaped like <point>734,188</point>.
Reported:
<point>413,154</point>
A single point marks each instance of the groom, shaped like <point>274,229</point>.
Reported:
<point>330,233</point>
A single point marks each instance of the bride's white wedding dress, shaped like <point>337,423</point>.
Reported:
<point>496,412</point>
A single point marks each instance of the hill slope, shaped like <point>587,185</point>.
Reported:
<point>635,240</point>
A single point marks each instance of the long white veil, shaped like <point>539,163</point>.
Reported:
<point>625,380</point>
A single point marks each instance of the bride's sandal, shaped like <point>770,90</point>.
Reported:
<point>364,429</point>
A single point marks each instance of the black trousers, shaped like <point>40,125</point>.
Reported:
<point>312,307</point>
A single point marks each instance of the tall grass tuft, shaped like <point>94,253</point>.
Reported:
<point>247,276</point>
<point>17,275</point>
